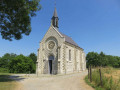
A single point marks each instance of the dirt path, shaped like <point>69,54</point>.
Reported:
<point>64,82</point>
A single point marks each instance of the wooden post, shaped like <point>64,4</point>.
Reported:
<point>90,74</point>
<point>100,77</point>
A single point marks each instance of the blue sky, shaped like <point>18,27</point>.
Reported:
<point>93,24</point>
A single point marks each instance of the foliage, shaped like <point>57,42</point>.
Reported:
<point>21,64</point>
<point>15,17</point>
<point>96,59</point>
<point>17,63</point>
<point>33,57</point>
<point>4,61</point>
<point>92,58</point>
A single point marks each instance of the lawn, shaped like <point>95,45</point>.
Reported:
<point>110,79</point>
<point>6,83</point>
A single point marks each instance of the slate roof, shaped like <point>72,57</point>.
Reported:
<point>69,40</point>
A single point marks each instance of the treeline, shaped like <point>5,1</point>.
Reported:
<point>100,59</point>
<point>14,63</point>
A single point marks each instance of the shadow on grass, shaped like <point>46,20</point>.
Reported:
<point>10,78</point>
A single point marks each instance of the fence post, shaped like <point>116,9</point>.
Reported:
<point>90,74</point>
<point>100,77</point>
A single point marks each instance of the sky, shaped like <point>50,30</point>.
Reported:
<point>93,24</point>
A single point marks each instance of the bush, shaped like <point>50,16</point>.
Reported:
<point>21,64</point>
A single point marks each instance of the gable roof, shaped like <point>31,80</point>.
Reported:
<point>68,39</point>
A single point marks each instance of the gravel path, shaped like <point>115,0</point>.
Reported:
<point>47,82</point>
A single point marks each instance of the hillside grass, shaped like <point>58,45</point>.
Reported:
<point>6,83</point>
<point>110,78</point>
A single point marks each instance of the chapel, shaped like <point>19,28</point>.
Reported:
<point>58,53</point>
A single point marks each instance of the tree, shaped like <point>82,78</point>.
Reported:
<point>21,64</point>
<point>15,17</point>
<point>4,61</point>
<point>92,58</point>
<point>101,59</point>
<point>33,57</point>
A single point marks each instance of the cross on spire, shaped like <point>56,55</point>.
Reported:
<point>55,3</point>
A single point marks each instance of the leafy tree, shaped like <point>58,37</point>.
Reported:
<point>21,64</point>
<point>4,61</point>
<point>119,62</point>
<point>15,17</point>
<point>101,59</point>
<point>92,58</point>
<point>33,57</point>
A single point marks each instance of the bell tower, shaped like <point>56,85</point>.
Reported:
<point>55,19</point>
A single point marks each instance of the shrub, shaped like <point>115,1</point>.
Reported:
<point>21,64</point>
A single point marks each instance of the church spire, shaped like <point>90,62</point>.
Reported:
<point>55,13</point>
<point>55,19</point>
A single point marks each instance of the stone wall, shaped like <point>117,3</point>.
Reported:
<point>77,62</point>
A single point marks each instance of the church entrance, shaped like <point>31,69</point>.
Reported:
<point>50,66</point>
<point>51,58</point>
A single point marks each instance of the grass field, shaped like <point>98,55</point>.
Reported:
<point>110,79</point>
<point>6,83</point>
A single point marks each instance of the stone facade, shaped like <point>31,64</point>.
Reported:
<point>56,56</point>
<point>66,58</point>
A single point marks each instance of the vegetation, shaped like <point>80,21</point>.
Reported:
<point>33,57</point>
<point>96,59</point>
<point>7,83</point>
<point>110,79</point>
<point>18,63</point>
<point>21,64</point>
<point>15,17</point>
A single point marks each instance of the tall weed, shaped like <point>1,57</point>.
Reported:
<point>108,83</point>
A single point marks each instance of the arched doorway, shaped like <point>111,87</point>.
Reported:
<point>51,58</point>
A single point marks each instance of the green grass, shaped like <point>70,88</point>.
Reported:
<point>110,79</point>
<point>93,85</point>
<point>4,70</point>
<point>6,83</point>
